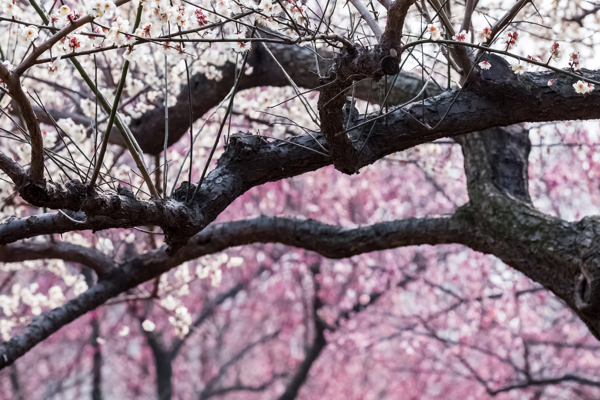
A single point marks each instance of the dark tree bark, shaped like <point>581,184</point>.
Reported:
<point>97,361</point>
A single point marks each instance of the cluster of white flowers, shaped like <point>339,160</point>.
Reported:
<point>162,13</point>
<point>519,69</point>
<point>118,33</point>
<point>58,268</point>
<point>61,16</point>
<point>583,87</point>
<point>6,326</point>
<point>101,8</point>
<point>29,297</point>
<point>76,132</point>
<point>182,319</point>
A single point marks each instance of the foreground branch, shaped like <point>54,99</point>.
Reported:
<point>309,234</point>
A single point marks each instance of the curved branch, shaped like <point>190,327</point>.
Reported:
<point>13,83</point>
<point>90,257</point>
<point>217,238</point>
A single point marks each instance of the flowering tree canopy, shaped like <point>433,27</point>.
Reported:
<point>299,199</point>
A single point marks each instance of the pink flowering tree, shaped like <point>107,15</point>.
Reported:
<point>232,199</point>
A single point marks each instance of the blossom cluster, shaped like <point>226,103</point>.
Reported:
<point>101,8</point>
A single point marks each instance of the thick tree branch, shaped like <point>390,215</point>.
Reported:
<point>13,83</point>
<point>90,257</point>
<point>498,98</point>
<point>220,237</point>
<point>392,35</point>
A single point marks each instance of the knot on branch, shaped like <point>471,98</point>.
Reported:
<point>390,65</point>
<point>500,72</point>
<point>53,195</point>
<point>181,193</point>
<point>587,284</point>
<point>348,69</point>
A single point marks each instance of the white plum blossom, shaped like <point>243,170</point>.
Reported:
<point>241,47</point>
<point>124,331</point>
<point>76,132</point>
<point>49,139</point>
<point>485,65</point>
<point>555,52</point>
<point>235,262</point>
<point>133,54</point>
<point>434,32</point>
<point>170,303</point>
<point>64,11</point>
<point>98,41</point>
<point>27,35</point>
<point>519,69</point>
<point>56,297</point>
<point>118,33</point>
<point>181,321</point>
<point>461,37</point>
<point>6,326</point>
<point>70,279</point>
<point>216,277</point>
<point>57,267</point>
<point>222,8</point>
<point>101,8</point>
<point>56,66</point>
<point>10,7</point>
<point>550,82</point>
<point>80,287</point>
<point>8,65</point>
<point>24,152</point>
<point>583,87</point>
<point>483,35</point>
<point>148,325</point>
<point>270,8</point>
